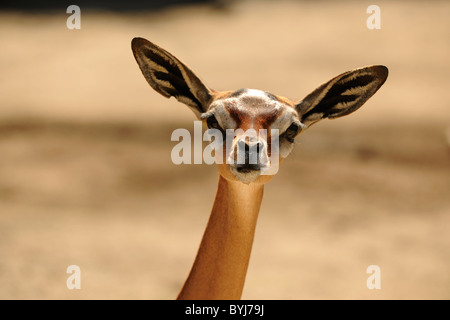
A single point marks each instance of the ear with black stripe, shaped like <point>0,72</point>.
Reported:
<point>169,76</point>
<point>341,95</point>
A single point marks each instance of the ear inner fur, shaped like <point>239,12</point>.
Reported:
<point>169,76</point>
<point>341,95</point>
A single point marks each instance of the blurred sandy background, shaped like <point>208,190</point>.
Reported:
<point>86,176</point>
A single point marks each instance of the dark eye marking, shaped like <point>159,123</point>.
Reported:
<point>212,123</point>
<point>291,132</point>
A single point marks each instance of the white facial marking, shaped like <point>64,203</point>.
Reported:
<point>283,122</point>
<point>222,115</point>
<point>256,93</point>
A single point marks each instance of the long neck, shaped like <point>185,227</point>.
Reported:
<point>222,260</point>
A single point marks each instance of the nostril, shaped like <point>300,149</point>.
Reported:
<point>259,146</point>
<point>249,154</point>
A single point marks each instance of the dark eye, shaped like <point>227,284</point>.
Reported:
<point>212,123</point>
<point>291,132</point>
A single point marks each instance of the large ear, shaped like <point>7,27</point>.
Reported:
<point>341,95</point>
<point>169,76</point>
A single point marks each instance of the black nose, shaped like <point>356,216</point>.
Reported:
<point>248,157</point>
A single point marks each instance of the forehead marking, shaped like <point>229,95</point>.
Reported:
<point>250,107</point>
<point>237,93</point>
<point>254,93</point>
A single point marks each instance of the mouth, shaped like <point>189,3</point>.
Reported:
<point>247,173</point>
<point>247,168</point>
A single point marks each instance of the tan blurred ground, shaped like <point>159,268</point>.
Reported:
<point>86,176</point>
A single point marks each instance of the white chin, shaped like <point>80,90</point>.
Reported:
<point>246,178</point>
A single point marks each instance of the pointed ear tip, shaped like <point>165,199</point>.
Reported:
<point>137,42</point>
<point>381,71</point>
